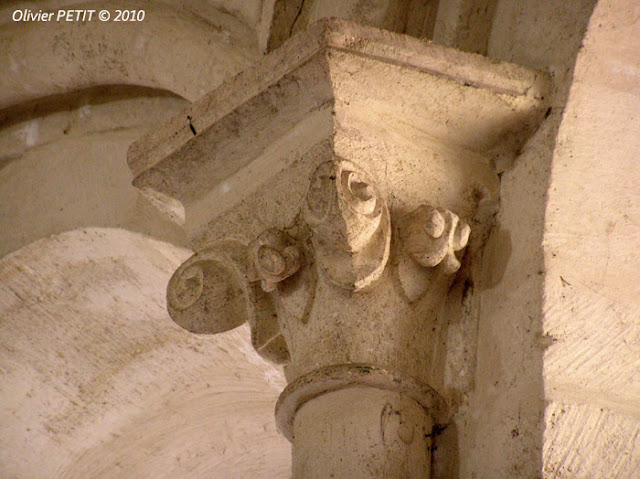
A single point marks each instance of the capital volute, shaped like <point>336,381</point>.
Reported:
<point>433,236</point>
<point>218,289</point>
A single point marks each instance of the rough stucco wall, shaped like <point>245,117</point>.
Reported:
<point>591,240</point>
<point>503,432</point>
<point>97,381</point>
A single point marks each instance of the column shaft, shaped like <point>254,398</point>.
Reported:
<point>362,433</point>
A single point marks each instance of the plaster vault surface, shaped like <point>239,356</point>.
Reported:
<point>96,381</point>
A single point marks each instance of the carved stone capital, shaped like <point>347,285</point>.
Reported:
<point>213,282</point>
<point>429,239</point>
<point>433,236</point>
<point>275,257</point>
<point>347,167</point>
<point>323,298</point>
<point>336,259</point>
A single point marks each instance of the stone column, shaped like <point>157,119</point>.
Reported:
<point>330,192</point>
<point>360,433</point>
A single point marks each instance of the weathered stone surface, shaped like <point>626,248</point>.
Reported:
<point>53,58</point>
<point>304,162</point>
<point>370,435</point>
<point>504,421</point>
<point>465,24</point>
<point>62,166</point>
<point>555,321</point>
<point>583,439</point>
<point>412,17</point>
<point>74,95</point>
<point>367,93</point>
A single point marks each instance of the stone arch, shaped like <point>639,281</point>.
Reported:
<point>63,164</point>
<point>76,94</point>
<point>172,49</point>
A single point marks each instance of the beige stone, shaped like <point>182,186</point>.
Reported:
<point>382,430</point>
<point>527,360</point>
<point>591,314</point>
<point>322,288</point>
<point>121,53</point>
<point>315,89</point>
<point>98,382</point>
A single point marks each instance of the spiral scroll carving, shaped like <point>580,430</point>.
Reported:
<point>275,257</point>
<point>343,241</point>
<point>208,294</point>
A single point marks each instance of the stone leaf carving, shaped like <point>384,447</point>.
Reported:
<point>350,224</point>
<point>429,238</point>
<point>217,290</point>
<point>433,235</point>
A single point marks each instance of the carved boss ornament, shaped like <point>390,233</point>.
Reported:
<point>345,242</point>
